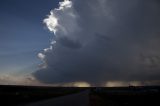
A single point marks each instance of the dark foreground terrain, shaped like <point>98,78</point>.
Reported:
<point>71,96</point>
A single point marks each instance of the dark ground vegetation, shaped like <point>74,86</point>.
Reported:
<point>12,95</point>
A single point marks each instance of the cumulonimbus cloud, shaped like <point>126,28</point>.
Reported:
<point>100,41</point>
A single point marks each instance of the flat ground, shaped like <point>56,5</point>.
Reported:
<point>67,96</point>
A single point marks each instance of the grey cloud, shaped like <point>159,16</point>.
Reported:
<point>69,43</point>
<point>117,40</point>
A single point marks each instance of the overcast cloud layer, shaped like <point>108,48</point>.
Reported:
<point>99,41</point>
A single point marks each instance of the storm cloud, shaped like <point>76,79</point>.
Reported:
<point>100,41</point>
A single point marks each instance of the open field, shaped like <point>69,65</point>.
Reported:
<point>12,95</point>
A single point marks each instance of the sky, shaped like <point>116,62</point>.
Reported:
<point>80,42</point>
<point>22,35</point>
